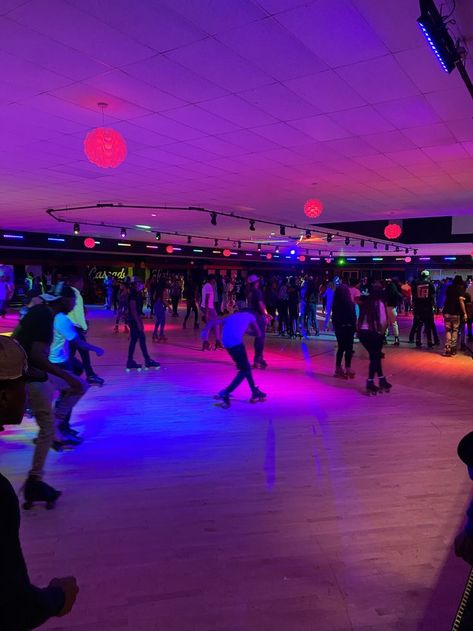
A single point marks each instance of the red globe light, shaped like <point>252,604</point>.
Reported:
<point>301,258</point>
<point>227,252</point>
<point>89,243</point>
<point>169,249</point>
<point>269,256</point>
<point>407,259</point>
<point>313,208</point>
<point>392,231</point>
<point>105,147</point>
<point>328,260</point>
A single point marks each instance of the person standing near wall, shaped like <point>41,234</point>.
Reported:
<point>137,331</point>
<point>257,306</point>
<point>454,312</point>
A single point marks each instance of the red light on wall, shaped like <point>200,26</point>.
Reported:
<point>89,243</point>
<point>301,258</point>
<point>169,249</point>
<point>313,208</point>
<point>269,256</point>
<point>407,259</point>
<point>105,147</point>
<point>227,252</point>
<point>328,260</point>
<point>392,231</point>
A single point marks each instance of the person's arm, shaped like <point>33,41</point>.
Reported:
<point>463,308</point>
<point>134,314</point>
<point>88,347</point>
<point>254,330</point>
<point>262,308</point>
<point>39,357</point>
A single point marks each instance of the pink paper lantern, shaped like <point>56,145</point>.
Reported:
<point>269,256</point>
<point>392,231</point>
<point>313,208</point>
<point>105,147</point>
<point>407,259</point>
<point>89,243</point>
<point>169,249</point>
<point>227,252</point>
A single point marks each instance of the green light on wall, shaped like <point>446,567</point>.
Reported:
<point>341,262</point>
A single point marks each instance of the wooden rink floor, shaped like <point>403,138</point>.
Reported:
<point>321,509</point>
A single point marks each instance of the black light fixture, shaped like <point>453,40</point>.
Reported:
<point>415,252</point>
<point>259,247</point>
<point>123,233</point>
<point>252,225</point>
<point>347,241</point>
<point>434,28</point>
<point>362,243</point>
<point>216,243</point>
<point>386,247</point>
<point>76,229</point>
<point>406,250</point>
<point>398,249</point>
<point>189,239</point>
<point>277,249</point>
<point>329,238</point>
<point>239,245</point>
<point>308,234</point>
<point>375,245</point>
<point>282,230</point>
<point>213,218</point>
<point>158,236</point>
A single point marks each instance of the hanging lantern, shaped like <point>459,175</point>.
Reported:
<point>313,208</point>
<point>269,256</point>
<point>169,249</point>
<point>227,252</point>
<point>407,259</point>
<point>105,147</point>
<point>89,243</point>
<point>392,231</point>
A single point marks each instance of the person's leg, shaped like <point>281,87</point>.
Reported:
<point>340,347</point>
<point>259,341</point>
<point>196,314</point>
<point>349,335</point>
<point>188,312</point>
<point>434,331</point>
<point>40,396</point>
<point>65,401</point>
<point>413,331</point>
<point>85,356</point>
<point>368,341</point>
<point>455,328</point>
<point>394,323</point>
<point>240,357</point>
<point>162,324</point>
<point>133,339</point>
<point>142,342</point>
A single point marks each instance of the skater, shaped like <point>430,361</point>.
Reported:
<point>35,333</point>
<point>344,324</point>
<point>293,301</point>
<point>7,290</point>
<point>258,308</point>
<point>137,332</point>
<point>423,303</point>
<point>22,604</point>
<point>190,294</point>
<point>175,293</point>
<point>372,325</point>
<point>122,312</point>
<point>464,540</point>
<point>77,317</point>
<point>454,313</point>
<point>210,315</point>
<point>161,299</point>
<point>311,298</point>
<point>393,299</point>
<point>108,286</point>
<point>234,328</point>
<point>283,309</point>
<point>328,298</point>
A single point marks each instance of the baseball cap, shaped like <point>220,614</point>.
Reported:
<point>465,449</point>
<point>61,290</point>
<point>13,362</point>
<point>253,278</point>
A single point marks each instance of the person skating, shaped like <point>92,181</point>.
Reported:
<point>372,324</point>
<point>344,325</point>
<point>258,308</point>
<point>209,314</point>
<point>190,294</point>
<point>454,312</point>
<point>393,299</point>
<point>161,300</point>
<point>122,311</point>
<point>23,606</point>
<point>77,317</point>
<point>137,332</point>
<point>235,327</point>
<point>35,333</point>
<point>423,303</point>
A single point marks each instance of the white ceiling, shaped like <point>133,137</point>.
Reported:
<point>241,105</point>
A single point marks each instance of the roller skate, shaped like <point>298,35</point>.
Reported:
<point>224,398</point>
<point>257,396</point>
<point>371,389</point>
<point>340,373</point>
<point>218,346</point>
<point>115,328</point>
<point>350,374</point>
<point>396,341</point>
<point>132,365</point>
<point>35,490</point>
<point>95,380</point>
<point>162,338</point>
<point>150,363</point>
<point>260,363</point>
<point>205,346</point>
<point>384,385</point>
<point>196,326</point>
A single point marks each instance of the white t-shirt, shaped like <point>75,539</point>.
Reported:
<point>77,315</point>
<point>208,290</point>
<point>64,332</point>
<point>235,327</point>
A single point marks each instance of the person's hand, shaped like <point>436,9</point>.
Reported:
<point>99,351</point>
<point>464,547</point>
<point>68,584</point>
<point>76,385</point>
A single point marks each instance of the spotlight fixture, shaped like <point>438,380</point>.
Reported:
<point>282,230</point>
<point>259,247</point>
<point>213,218</point>
<point>308,234</point>
<point>362,243</point>
<point>277,249</point>
<point>123,233</point>
<point>189,239</point>
<point>76,229</point>
<point>216,243</point>
<point>329,238</point>
<point>252,225</point>
<point>292,252</point>
<point>375,245</point>
<point>239,245</point>
<point>434,28</point>
<point>398,249</point>
<point>347,241</point>
<point>406,250</point>
<point>415,252</point>
<point>158,236</point>
<point>386,247</point>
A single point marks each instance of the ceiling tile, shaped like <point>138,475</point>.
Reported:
<point>352,147</point>
<point>389,141</point>
<point>362,120</point>
<point>167,127</point>
<point>444,153</point>
<point>428,135</point>
<point>321,128</point>
<point>408,112</point>
<point>451,104</point>
<point>280,102</point>
<point>196,117</point>
<point>283,134</point>
<point>462,128</point>
<point>327,91</point>
<point>394,22</point>
<point>238,111</point>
